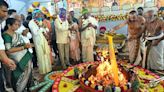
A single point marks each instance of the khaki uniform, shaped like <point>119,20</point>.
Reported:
<point>62,40</point>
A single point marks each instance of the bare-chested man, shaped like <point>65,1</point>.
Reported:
<point>136,26</point>
<point>155,36</point>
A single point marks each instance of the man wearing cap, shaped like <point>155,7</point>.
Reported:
<point>136,26</point>
<point>155,35</point>
<point>88,26</point>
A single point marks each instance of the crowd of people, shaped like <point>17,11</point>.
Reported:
<point>145,39</point>
<point>28,43</point>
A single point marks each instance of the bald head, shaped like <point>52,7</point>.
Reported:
<point>17,17</point>
<point>150,13</point>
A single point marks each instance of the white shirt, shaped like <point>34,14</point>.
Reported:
<point>21,29</point>
<point>2,46</point>
<point>25,38</point>
<point>88,37</point>
<point>3,24</point>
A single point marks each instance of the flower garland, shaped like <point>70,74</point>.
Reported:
<point>103,18</point>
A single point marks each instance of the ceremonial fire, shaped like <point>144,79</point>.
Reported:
<point>105,75</point>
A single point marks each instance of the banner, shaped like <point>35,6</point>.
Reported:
<point>123,2</point>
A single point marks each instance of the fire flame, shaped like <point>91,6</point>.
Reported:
<point>105,75</point>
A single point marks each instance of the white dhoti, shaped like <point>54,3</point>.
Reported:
<point>156,57</point>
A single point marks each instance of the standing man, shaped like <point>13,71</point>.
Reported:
<point>39,34</point>
<point>136,26</point>
<point>88,28</point>
<point>3,57</point>
<point>155,37</point>
<point>62,37</point>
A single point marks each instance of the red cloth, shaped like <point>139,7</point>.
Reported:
<point>103,27</point>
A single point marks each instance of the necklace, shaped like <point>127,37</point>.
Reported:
<point>36,22</point>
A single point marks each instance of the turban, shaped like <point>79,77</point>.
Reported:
<point>71,9</point>
<point>85,11</point>
<point>103,27</point>
<point>62,13</point>
<point>44,10</point>
<point>35,12</point>
<point>35,4</point>
<point>30,10</point>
